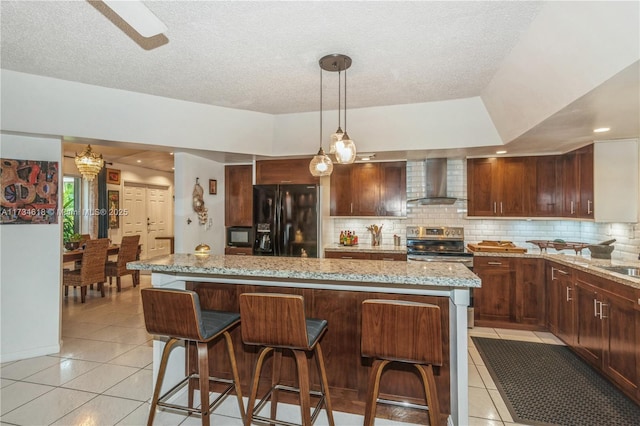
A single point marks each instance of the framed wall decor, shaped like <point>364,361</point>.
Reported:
<point>114,208</point>
<point>213,186</point>
<point>28,191</point>
<point>113,176</point>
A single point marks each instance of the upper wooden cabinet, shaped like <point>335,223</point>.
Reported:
<point>497,187</point>
<point>238,190</point>
<point>288,171</point>
<point>369,189</point>
<point>545,186</point>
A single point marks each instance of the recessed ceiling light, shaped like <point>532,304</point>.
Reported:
<point>171,153</point>
<point>138,161</point>
<point>367,156</point>
<point>173,168</point>
<point>501,152</point>
<point>601,129</point>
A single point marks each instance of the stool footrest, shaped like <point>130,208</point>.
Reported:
<point>267,396</point>
<point>402,404</point>
<point>162,401</point>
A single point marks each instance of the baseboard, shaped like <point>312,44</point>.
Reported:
<point>31,353</point>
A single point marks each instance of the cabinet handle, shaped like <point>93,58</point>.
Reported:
<point>351,208</point>
<point>286,181</point>
<point>601,313</point>
<point>494,263</point>
<point>589,209</point>
<point>573,210</point>
<point>560,271</point>
<point>241,254</point>
<point>501,207</point>
<point>595,307</point>
<point>495,208</point>
<point>346,257</point>
<point>569,299</point>
<point>387,258</point>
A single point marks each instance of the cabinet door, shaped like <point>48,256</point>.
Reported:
<point>585,183</point>
<point>570,185</point>
<point>529,292</point>
<point>621,341</point>
<point>238,195</point>
<point>546,196</point>
<point>393,188</point>
<point>551,298</point>
<point>482,188</point>
<point>495,300</point>
<point>514,198</point>
<point>365,184</point>
<point>588,328</point>
<point>289,171</point>
<point>564,289</point>
<point>341,194</point>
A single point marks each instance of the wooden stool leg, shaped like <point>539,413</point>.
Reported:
<point>102,285</point>
<point>118,284</point>
<point>234,371</point>
<point>163,367</point>
<point>203,372</point>
<point>83,293</point>
<point>254,384</point>
<point>275,379</point>
<point>303,384</point>
<point>66,290</point>
<point>324,383</point>
<point>372,391</point>
<point>426,371</point>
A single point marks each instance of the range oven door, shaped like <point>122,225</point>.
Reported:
<point>452,257</point>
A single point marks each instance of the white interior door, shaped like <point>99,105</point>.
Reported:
<point>158,219</point>
<point>135,222</point>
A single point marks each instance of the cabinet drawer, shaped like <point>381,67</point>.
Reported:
<point>241,251</point>
<point>492,262</point>
<point>389,256</point>
<point>346,255</point>
<point>290,171</point>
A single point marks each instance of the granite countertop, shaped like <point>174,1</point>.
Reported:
<point>583,263</point>
<point>368,248</point>
<point>295,268</point>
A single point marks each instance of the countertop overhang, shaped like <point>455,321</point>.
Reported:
<point>437,274</point>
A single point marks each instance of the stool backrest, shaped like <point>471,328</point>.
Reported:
<point>401,331</point>
<point>128,252</point>
<point>272,319</point>
<point>172,312</point>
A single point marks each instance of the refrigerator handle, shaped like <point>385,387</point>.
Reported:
<point>277,228</point>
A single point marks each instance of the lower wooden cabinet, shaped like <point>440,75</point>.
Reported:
<point>512,292</point>
<point>560,296</point>
<point>332,254</point>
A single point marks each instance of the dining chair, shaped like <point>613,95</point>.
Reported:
<point>92,271</point>
<point>128,252</point>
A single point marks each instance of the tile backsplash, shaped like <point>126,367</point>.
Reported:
<point>627,246</point>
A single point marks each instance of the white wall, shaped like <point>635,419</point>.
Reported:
<point>188,236</point>
<point>31,273</point>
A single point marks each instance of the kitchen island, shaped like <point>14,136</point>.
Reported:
<point>333,290</point>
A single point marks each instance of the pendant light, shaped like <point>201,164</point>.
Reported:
<point>342,147</point>
<point>321,164</point>
<point>89,163</point>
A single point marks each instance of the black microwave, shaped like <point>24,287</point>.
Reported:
<point>240,236</point>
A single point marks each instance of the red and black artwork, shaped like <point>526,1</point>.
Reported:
<point>29,191</point>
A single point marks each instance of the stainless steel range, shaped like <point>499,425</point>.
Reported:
<point>437,244</point>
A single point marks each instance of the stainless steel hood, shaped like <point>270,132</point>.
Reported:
<point>435,184</point>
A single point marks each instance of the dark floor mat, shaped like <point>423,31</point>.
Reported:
<point>548,384</point>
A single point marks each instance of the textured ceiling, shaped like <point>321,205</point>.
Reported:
<point>263,56</point>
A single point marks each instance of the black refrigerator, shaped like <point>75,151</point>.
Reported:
<point>285,220</point>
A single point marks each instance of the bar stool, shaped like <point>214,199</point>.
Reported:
<point>277,322</point>
<point>177,314</point>
<point>409,332</point>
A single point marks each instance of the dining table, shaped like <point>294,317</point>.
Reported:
<point>74,255</point>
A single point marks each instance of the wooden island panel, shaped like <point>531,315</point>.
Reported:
<point>347,371</point>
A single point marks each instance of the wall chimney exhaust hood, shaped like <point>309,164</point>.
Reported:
<point>436,184</point>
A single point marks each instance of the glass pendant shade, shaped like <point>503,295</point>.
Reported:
<point>321,165</point>
<point>345,150</point>
<point>335,139</point>
<point>89,163</point>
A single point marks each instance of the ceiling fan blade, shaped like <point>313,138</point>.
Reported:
<point>136,14</point>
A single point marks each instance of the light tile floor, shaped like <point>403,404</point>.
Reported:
<point>102,376</point>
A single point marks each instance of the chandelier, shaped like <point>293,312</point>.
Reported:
<point>321,164</point>
<point>341,146</point>
<point>89,163</point>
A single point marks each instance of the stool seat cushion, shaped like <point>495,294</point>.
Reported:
<point>315,327</point>
<point>213,322</point>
